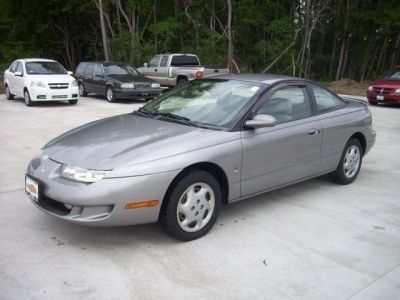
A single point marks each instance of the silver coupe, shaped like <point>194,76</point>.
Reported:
<point>209,142</point>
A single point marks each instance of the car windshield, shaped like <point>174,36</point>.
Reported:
<point>212,103</point>
<point>44,67</point>
<point>392,74</point>
<point>119,70</point>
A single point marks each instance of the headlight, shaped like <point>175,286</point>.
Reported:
<point>370,88</point>
<point>40,84</point>
<point>397,91</point>
<point>82,175</point>
<point>155,85</point>
<point>74,83</point>
<point>127,85</point>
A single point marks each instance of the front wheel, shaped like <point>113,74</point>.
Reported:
<point>192,207</point>
<point>110,94</point>
<point>8,94</point>
<point>350,163</point>
<point>27,98</point>
<point>82,90</point>
<point>72,101</point>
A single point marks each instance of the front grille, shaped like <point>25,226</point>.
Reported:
<point>383,91</point>
<point>143,85</point>
<point>58,86</point>
<point>53,206</point>
<point>59,97</point>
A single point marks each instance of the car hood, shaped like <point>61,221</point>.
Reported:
<point>130,78</point>
<point>389,83</point>
<point>128,139</point>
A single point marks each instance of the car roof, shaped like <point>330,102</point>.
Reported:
<point>257,77</point>
<point>36,59</point>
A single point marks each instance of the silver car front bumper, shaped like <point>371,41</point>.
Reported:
<point>102,203</point>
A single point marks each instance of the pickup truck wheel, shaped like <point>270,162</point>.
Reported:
<point>27,98</point>
<point>8,94</point>
<point>181,81</point>
<point>82,91</point>
<point>110,95</point>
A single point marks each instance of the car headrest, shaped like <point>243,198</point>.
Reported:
<point>278,106</point>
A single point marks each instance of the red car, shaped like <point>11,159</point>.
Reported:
<point>385,89</point>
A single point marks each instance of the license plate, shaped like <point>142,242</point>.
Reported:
<point>380,97</point>
<point>32,188</point>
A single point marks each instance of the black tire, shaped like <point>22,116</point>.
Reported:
<point>340,175</point>
<point>72,101</point>
<point>373,103</point>
<point>110,94</point>
<point>181,81</point>
<point>27,98</point>
<point>8,94</point>
<point>169,214</point>
<point>82,90</point>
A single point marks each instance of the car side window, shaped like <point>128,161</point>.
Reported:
<point>287,104</point>
<point>98,71</point>
<point>20,68</point>
<point>13,67</point>
<point>89,70</point>
<point>164,61</point>
<point>325,101</point>
<point>80,69</point>
<point>155,61</point>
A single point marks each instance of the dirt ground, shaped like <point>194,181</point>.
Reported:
<point>347,86</point>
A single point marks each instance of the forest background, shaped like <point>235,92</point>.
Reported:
<point>324,40</point>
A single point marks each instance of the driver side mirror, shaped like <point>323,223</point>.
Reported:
<point>260,121</point>
<point>18,73</point>
<point>145,65</point>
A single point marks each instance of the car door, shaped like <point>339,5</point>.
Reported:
<point>10,76</point>
<point>99,81</point>
<point>152,70</point>
<point>287,152</point>
<point>88,78</point>
<point>19,81</point>
<point>162,71</point>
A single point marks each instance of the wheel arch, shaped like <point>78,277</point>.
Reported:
<point>181,77</point>
<point>361,138</point>
<point>209,167</point>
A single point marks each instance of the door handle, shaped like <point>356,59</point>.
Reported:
<point>313,131</point>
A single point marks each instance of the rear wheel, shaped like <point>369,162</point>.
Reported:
<point>72,101</point>
<point>181,81</point>
<point>8,94</point>
<point>350,163</point>
<point>110,94</point>
<point>82,91</point>
<point>27,98</point>
<point>192,207</point>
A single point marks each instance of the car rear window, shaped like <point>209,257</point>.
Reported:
<point>184,60</point>
<point>80,69</point>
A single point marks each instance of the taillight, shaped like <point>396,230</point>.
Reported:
<point>199,74</point>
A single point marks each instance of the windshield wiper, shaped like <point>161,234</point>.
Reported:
<point>144,112</point>
<point>183,120</point>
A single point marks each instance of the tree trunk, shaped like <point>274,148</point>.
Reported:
<point>332,64</point>
<point>229,35</point>
<point>103,31</point>
<point>395,51</point>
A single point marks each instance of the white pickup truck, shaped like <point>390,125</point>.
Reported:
<point>176,69</point>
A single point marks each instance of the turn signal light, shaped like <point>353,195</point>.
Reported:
<point>134,205</point>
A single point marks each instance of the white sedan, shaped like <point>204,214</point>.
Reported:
<point>37,79</point>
